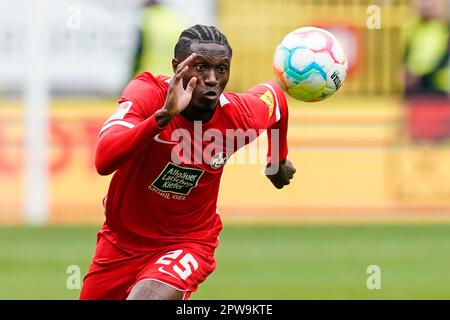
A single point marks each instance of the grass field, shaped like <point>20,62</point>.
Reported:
<point>255,262</point>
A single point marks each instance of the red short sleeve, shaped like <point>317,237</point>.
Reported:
<point>266,102</point>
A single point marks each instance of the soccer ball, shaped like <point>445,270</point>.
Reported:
<point>310,64</point>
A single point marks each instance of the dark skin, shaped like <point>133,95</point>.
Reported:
<point>194,92</point>
<point>284,174</point>
<point>198,82</point>
<point>154,290</point>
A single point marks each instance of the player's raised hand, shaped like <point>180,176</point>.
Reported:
<point>178,97</point>
<point>284,174</point>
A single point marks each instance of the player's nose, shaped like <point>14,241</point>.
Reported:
<point>211,79</point>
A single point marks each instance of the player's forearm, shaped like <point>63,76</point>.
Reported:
<point>277,138</point>
<point>163,117</point>
<point>119,144</point>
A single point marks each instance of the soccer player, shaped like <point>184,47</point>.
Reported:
<point>162,223</point>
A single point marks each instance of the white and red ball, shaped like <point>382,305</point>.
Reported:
<point>310,64</point>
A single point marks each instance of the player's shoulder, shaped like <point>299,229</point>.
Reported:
<point>149,77</point>
<point>146,90</point>
<point>266,87</point>
<point>269,86</point>
<point>267,92</point>
<point>253,107</point>
<point>146,80</point>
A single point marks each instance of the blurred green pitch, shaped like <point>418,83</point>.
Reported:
<point>255,262</point>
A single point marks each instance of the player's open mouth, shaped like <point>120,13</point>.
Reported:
<point>210,95</point>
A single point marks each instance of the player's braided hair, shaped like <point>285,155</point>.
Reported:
<point>199,33</point>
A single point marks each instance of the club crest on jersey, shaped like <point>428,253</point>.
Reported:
<point>268,100</point>
<point>218,160</point>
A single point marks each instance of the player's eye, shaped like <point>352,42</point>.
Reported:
<point>200,67</point>
<point>222,69</point>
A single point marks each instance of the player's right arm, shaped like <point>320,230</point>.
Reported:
<point>136,122</point>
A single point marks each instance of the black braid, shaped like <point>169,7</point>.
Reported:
<point>202,34</point>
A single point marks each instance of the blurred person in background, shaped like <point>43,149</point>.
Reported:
<point>427,49</point>
<point>159,30</point>
<point>427,73</point>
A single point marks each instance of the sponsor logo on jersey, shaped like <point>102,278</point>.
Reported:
<point>176,179</point>
<point>268,100</point>
<point>218,160</point>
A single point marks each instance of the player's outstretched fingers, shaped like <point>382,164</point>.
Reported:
<point>179,74</point>
<point>185,62</point>
<point>180,70</point>
<point>191,85</point>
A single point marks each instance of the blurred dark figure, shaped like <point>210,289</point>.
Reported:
<point>427,73</point>
<point>158,34</point>
<point>427,50</point>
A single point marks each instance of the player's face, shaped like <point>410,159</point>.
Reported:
<point>211,67</point>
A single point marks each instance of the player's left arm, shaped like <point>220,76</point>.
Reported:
<point>270,111</point>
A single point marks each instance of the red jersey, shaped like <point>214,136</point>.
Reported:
<point>166,182</point>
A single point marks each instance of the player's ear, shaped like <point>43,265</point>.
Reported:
<point>175,64</point>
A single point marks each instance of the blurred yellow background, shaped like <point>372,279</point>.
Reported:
<point>354,162</point>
